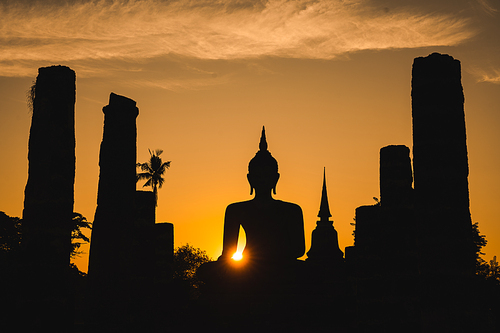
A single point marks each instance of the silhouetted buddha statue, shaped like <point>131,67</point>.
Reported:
<point>274,229</point>
<point>274,235</point>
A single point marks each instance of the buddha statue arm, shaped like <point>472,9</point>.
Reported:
<point>231,232</point>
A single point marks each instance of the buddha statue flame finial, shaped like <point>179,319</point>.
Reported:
<point>263,142</point>
<point>263,161</point>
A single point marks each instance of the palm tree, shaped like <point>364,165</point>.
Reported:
<point>153,171</point>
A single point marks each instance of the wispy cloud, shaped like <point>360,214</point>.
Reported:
<point>491,76</point>
<point>137,30</point>
<point>487,8</point>
<point>178,84</point>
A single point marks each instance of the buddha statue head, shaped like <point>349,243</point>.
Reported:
<point>263,169</point>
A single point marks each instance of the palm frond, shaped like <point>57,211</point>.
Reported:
<point>163,167</point>
<point>146,167</point>
<point>160,182</point>
<point>142,176</point>
<point>148,183</point>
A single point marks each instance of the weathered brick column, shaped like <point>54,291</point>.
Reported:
<point>48,204</point>
<point>115,212</point>
<point>441,166</point>
<point>397,239</point>
<point>111,244</point>
<point>49,193</point>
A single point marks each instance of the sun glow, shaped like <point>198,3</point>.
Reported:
<point>237,256</point>
<point>242,241</point>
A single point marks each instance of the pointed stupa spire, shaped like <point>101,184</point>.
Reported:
<point>324,238</point>
<point>324,208</point>
<point>263,142</point>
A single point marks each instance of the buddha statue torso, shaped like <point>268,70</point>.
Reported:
<point>274,229</point>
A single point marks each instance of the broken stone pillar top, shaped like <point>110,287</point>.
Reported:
<point>56,69</point>
<point>55,88</point>
<point>437,65</point>
<point>437,76</point>
<point>122,104</point>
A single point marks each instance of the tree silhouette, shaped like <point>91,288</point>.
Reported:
<point>479,242</point>
<point>186,261</point>
<point>77,236</point>
<point>153,172</point>
<point>10,233</point>
<point>11,237</point>
<point>487,270</point>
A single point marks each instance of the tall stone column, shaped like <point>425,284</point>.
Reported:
<point>142,260</point>
<point>115,212</point>
<point>110,245</point>
<point>48,202</point>
<point>441,166</point>
<point>49,192</point>
<point>397,241</point>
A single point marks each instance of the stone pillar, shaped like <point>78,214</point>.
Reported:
<point>145,208</point>
<point>49,193</point>
<point>115,212</point>
<point>49,199</point>
<point>142,241</point>
<point>441,166</point>
<point>395,176</point>
<point>398,241</point>
<point>110,263</point>
<point>368,233</point>
<point>164,250</point>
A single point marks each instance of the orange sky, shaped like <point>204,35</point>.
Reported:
<point>330,80</point>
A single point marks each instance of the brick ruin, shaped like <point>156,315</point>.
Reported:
<point>48,203</point>
<point>49,193</point>
<point>435,213</point>
<point>441,166</point>
<point>128,251</point>
<point>114,216</point>
<point>413,250</point>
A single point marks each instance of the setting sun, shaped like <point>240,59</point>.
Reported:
<point>237,256</point>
